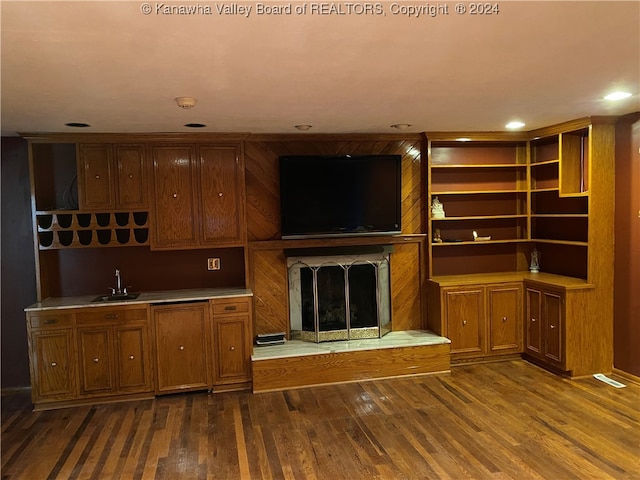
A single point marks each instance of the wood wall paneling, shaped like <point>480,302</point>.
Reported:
<point>406,298</point>
<point>627,250</point>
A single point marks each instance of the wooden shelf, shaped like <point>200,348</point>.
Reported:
<point>478,217</point>
<point>559,242</point>
<point>487,242</point>
<point>476,192</point>
<point>545,162</point>
<point>491,165</point>
<point>559,215</point>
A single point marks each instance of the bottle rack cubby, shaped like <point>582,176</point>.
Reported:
<point>80,229</point>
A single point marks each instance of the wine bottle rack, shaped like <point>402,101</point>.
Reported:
<point>80,229</point>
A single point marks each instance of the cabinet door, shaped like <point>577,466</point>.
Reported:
<point>131,184</point>
<point>52,365</point>
<point>231,339</point>
<point>96,177</point>
<point>181,347</point>
<point>505,313</point>
<point>175,197</point>
<point>533,327</point>
<point>96,371</point>
<point>220,194</point>
<point>464,310</point>
<point>553,326</point>
<point>132,358</point>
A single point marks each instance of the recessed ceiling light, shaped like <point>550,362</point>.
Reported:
<point>463,139</point>
<point>77,125</point>
<point>514,125</point>
<point>303,127</point>
<point>195,125</point>
<point>401,126</point>
<point>617,96</point>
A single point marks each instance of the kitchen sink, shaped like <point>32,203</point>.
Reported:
<point>116,298</point>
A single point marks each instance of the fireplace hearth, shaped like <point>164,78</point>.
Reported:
<point>339,297</point>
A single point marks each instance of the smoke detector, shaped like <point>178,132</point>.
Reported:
<point>186,102</point>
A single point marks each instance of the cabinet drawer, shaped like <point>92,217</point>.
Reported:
<point>111,315</point>
<point>51,320</point>
<point>222,307</point>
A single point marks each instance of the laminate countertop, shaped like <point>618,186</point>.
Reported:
<point>155,298</point>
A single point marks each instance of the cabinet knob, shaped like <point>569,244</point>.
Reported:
<point>181,347</point>
<point>533,320</point>
<point>232,348</point>
<point>97,177</point>
<point>96,360</point>
<point>130,357</point>
<point>504,319</point>
<point>175,195</point>
<point>219,194</point>
<point>552,326</point>
<point>464,322</point>
<point>131,175</point>
<point>54,364</point>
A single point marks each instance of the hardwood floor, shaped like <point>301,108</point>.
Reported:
<point>508,420</point>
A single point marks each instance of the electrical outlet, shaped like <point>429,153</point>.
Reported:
<point>213,264</point>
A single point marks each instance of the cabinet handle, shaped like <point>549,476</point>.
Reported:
<point>130,357</point>
<point>232,348</point>
<point>96,360</point>
<point>111,316</point>
<point>230,307</point>
<point>50,321</point>
<point>54,364</point>
<point>181,347</point>
<point>504,319</point>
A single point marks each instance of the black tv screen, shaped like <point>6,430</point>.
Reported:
<point>325,196</point>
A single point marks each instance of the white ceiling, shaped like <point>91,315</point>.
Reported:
<point>107,64</point>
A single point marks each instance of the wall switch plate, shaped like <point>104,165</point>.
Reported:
<point>213,264</point>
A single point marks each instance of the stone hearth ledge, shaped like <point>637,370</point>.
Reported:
<point>298,348</point>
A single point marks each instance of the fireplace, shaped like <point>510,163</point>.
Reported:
<point>341,296</point>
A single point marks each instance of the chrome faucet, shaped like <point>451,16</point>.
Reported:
<point>118,290</point>
<point>118,282</point>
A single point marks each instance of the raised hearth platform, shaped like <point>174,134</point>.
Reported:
<point>298,364</point>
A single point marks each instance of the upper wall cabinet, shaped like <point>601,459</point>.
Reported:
<point>197,196</point>
<point>111,177</point>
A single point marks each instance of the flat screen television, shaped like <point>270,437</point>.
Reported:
<point>349,195</point>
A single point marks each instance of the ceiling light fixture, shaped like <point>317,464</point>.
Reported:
<point>186,102</point>
<point>195,125</point>
<point>304,128</point>
<point>617,96</point>
<point>77,125</point>
<point>514,125</point>
<point>401,126</point>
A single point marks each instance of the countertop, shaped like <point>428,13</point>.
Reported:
<point>167,296</point>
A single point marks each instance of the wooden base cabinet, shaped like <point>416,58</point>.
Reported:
<point>114,351</point>
<point>481,320</point>
<point>545,325</point>
<point>182,342</point>
<point>232,339</point>
<point>52,357</point>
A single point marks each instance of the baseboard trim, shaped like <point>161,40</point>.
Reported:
<point>627,376</point>
<point>14,391</point>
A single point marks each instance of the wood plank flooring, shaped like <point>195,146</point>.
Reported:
<point>507,420</point>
